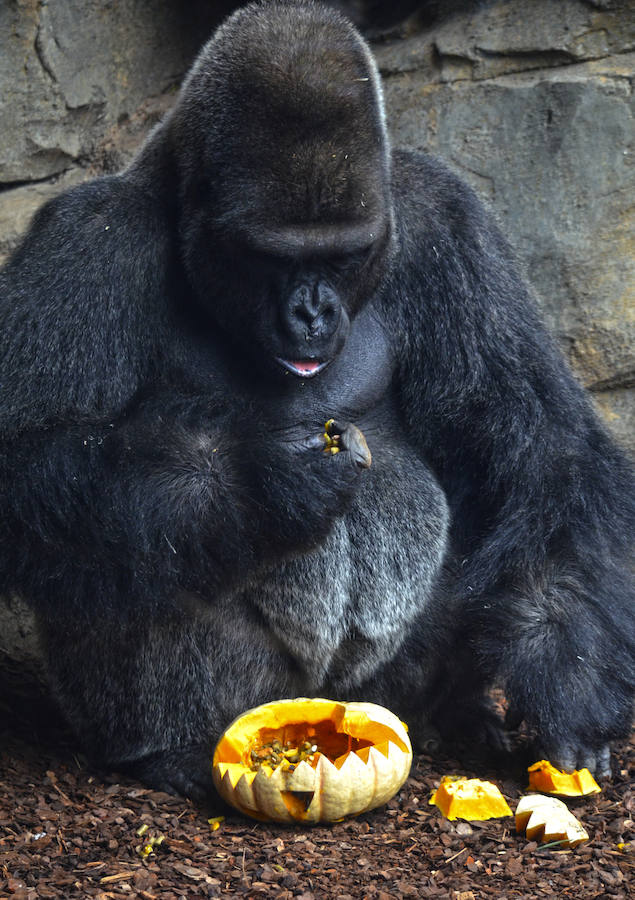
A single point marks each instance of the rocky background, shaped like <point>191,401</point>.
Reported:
<point>530,100</point>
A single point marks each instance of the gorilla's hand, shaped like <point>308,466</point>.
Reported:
<point>349,439</point>
<point>305,483</point>
<point>568,753</point>
<point>185,772</point>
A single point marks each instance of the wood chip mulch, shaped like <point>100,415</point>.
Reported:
<point>68,831</point>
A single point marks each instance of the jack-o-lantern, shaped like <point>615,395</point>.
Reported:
<point>311,760</point>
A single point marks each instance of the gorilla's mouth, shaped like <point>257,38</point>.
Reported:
<point>303,368</point>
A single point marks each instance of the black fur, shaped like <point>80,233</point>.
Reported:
<point>166,503</point>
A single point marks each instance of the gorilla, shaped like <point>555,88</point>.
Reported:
<point>278,418</point>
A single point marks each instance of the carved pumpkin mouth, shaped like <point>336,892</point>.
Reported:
<point>311,760</point>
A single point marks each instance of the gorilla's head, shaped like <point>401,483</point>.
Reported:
<point>284,173</point>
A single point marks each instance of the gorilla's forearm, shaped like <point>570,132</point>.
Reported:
<point>190,496</point>
<point>529,471</point>
<point>541,497</point>
<point>96,495</point>
<point>564,645</point>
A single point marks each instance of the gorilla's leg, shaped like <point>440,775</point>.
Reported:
<point>565,667</point>
<point>150,694</point>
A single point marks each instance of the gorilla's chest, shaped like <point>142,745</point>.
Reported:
<point>343,608</point>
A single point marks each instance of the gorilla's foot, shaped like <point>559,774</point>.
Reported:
<point>186,772</point>
<point>570,756</point>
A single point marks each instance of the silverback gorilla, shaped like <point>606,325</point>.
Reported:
<point>172,341</point>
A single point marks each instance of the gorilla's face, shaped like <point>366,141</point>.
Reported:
<point>287,296</point>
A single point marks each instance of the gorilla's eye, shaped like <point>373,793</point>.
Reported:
<point>343,264</point>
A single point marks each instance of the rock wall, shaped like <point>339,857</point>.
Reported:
<point>533,104</point>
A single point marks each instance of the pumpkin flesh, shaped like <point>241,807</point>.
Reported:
<point>546,819</point>
<point>470,799</point>
<point>546,778</point>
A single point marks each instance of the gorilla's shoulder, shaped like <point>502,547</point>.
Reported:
<point>109,236</point>
<point>435,207</point>
<point>83,300</point>
<point>422,183</point>
<point>89,216</point>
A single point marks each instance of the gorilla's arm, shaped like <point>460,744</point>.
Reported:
<point>107,462</point>
<point>541,498</point>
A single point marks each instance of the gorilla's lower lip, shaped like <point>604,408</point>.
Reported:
<point>303,368</point>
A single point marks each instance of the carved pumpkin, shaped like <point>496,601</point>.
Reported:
<point>546,819</point>
<point>311,760</point>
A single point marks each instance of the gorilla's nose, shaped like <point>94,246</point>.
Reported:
<point>314,312</point>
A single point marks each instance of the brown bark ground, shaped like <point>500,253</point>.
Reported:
<point>68,831</point>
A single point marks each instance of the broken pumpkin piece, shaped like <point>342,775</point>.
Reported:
<point>547,820</point>
<point>469,798</point>
<point>546,778</point>
<point>311,760</point>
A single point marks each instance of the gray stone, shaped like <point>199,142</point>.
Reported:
<point>516,36</point>
<point>617,408</point>
<point>554,156</point>
<point>71,68</point>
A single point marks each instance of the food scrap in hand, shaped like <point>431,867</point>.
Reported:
<point>331,441</point>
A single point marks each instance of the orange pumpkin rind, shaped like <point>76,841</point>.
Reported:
<point>470,799</point>
<point>546,778</point>
<point>363,758</point>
